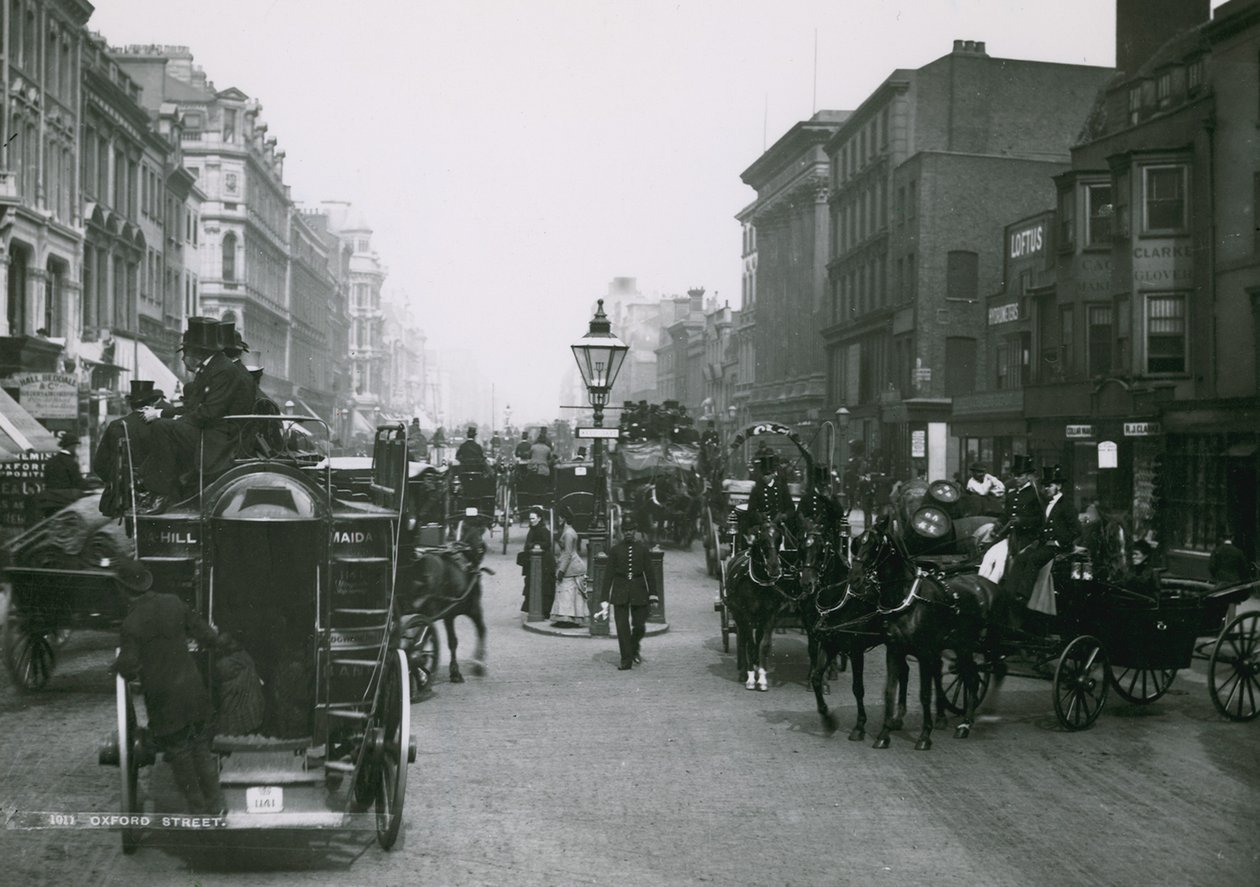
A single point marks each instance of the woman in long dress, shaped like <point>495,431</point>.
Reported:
<point>569,609</point>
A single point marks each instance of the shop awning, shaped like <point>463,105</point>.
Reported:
<point>20,432</point>
<point>137,361</point>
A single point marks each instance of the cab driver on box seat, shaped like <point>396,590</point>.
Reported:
<point>194,437</point>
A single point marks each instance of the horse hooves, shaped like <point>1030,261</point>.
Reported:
<point>881,742</point>
<point>962,731</point>
<point>923,745</point>
<point>457,678</point>
<point>857,734</point>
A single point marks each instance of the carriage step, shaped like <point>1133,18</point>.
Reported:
<point>359,559</point>
<point>166,559</point>
<point>359,663</point>
<point>266,776</point>
<point>351,713</point>
<point>256,742</point>
<point>339,766</point>
<point>351,611</point>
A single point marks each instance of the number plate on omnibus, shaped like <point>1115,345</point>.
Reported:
<point>470,512</point>
<point>264,799</point>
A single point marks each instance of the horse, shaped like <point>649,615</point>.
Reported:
<point>926,613</point>
<point>755,601</point>
<point>443,583</point>
<point>838,619</point>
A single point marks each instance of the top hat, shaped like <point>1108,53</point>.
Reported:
<point>1021,464</point>
<point>132,575</point>
<point>472,432</point>
<point>1052,474</point>
<point>142,392</point>
<point>203,333</point>
<point>230,336</point>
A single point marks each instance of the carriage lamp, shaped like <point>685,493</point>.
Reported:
<point>599,355</point>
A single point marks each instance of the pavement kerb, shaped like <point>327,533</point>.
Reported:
<point>653,629</point>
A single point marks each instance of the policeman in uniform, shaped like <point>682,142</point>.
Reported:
<point>195,435</point>
<point>628,584</point>
<point>817,504</point>
<point>1025,518</point>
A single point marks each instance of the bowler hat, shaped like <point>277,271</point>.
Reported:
<point>1052,474</point>
<point>68,439</point>
<point>976,468</point>
<point>1021,464</point>
<point>132,575</point>
<point>203,333</point>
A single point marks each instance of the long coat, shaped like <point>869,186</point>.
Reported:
<point>628,578</point>
<point>770,500</point>
<point>1025,516</point>
<point>155,650</point>
<point>61,472</point>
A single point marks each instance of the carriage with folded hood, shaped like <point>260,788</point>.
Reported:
<point>302,576</point>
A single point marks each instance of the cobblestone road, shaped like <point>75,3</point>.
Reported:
<point>555,768</point>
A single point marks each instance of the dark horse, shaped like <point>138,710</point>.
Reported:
<point>926,613</point>
<point>752,595</point>
<point>838,619</point>
<point>442,583</point>
<point>669,505</point>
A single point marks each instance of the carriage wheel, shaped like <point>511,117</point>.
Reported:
<point>1142,686</point>
<point>424,657</point>
<point>1080,683</point>
<point>950,684</point>
<point>128,760</point>
<point>397,751</point>
<point>506,504</point>
<point>1234,669</point>
<point>29,655</point>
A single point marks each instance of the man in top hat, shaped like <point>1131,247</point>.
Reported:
<point>470,456</point>
<point>112,462</point>
<point>628,585</point>
<point>1060,528</point>
<point>770,499</point>
<point>154,650</point>
<point>1025,516</point>
<point>194,438</point>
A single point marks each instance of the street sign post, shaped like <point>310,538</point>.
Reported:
<point>588,432</point>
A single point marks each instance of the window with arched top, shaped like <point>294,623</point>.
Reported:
<point>229,256</point>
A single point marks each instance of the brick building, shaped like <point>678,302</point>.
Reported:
<point>923,176</point>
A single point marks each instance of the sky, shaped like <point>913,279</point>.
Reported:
<point>514,157</point>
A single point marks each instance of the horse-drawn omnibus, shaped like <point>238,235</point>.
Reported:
<point>304,580</point>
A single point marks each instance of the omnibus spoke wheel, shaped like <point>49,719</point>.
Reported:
<point>1234,669</point>
<point>1080,683</point>
<point>397,752</point>
<point>1142,686</point>
<point>128,761</point>
<point>29,654</point>
<point>951,684</point>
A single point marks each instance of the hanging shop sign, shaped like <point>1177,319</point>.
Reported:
<point>1107,455</point>
<point>1003,313</point>
<point>46,395</point>
<point>1142,429</point>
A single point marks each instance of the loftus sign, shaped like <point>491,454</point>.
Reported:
<point>1027,241</point>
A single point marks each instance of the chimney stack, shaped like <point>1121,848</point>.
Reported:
<point>1143,26</point>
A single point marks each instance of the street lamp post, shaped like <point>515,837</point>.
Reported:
<point>842,424</point>
<point>599,355</point>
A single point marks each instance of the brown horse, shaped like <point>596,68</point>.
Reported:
<point>752,594</point>
<point>839,619</point>
<point>443,583</point>
<point>924,614</point>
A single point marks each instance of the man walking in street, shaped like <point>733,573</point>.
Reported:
<point>628,586</point>
<point>154,650</point>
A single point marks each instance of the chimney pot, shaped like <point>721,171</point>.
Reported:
<point>980,46</point>
<point>958,46</point>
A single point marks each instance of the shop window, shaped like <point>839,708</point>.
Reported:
<point>1164,198</point>
<point>1166,334</point>
<point>1100,334</point>
<point>1100,213</point>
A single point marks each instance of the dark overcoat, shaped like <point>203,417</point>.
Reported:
<point>628,577</point>
<point>155,649</point>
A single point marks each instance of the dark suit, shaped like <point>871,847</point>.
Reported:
<point>1059,531</point>
<point>770,500</point>
<point>1025,516</point>
<point>470,455</point>
<point>154,649</point>
<point>628,583</point>
<point>61,472</point>
<point>195,436</point>
<point>819,507</point>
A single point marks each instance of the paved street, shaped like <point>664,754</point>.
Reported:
<point>555,768</point>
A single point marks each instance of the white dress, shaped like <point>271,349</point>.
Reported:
<point>570,604</point>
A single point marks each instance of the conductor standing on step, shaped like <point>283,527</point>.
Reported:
<point>628,584</point>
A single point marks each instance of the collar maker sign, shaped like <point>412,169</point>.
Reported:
<point>46,395</point>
